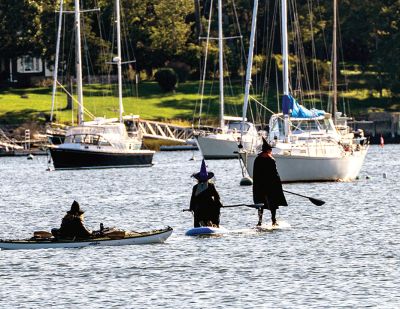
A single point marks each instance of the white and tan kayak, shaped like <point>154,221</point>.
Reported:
<point>41,240</point>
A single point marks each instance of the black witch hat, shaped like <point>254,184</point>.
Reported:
<point>75,209</point>
<point>203,175</point>
<point>265,146</point>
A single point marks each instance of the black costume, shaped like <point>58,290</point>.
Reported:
<point>72,226</point>
<point>267,186</point>
<point>205,204</point>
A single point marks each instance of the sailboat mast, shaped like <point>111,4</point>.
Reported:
<point>285,52</point>
<point>334,62</point>
<point>249,63</point>
<point>78,61</point>
<point>119,66</point>
<point>221,66</point>
<point>285,62</point>
<point>53,96</point>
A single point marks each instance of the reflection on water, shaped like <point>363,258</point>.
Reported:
<point>345,253</point>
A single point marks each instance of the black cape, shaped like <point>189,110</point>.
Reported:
<point>72,227</point>
<point>205,205</point>
<point>267,186</point>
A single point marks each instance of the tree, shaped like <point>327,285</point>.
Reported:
<point>21,28</point>
<point>160,30</point>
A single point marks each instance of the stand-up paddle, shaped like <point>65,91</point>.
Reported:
<point>246,205</point>
<point>256,206</point>
<point>312,200</point>
<point>315,201</point>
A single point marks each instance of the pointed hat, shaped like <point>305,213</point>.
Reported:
<point>75,209</point>
<point>203,175</point>
<point>266,146</point>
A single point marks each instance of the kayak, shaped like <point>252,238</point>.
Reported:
<point>112,238</point>
<point>206,230</point>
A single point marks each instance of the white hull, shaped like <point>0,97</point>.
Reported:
<point>218,146</point>
<point>146,238</point>
<point>293,168</point>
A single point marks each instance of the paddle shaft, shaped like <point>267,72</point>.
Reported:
<point>247,205</point>
<point>236,205</point>
<point>295,193</point>
<point>312,200</point>
<point>259,206</point>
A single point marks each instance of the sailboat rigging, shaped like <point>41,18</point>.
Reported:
<point>232,131</point>
<point>101,143</point>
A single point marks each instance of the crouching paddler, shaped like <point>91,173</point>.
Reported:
<point>72,226</point>
<point>267,186</point>
<point>205,203</point>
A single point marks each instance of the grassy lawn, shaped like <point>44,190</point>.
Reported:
<point>18,106</point>
<point>150,103</point>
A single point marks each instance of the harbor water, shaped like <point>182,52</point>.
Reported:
<point>344,254</point>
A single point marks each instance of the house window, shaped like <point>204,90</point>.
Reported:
<point>28,64</point>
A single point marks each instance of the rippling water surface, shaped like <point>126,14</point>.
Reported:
<point>345,253</point>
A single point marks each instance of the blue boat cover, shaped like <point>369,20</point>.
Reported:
<point>292,108</point>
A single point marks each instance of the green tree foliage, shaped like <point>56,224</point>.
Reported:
<point>21,28</point>
<point>161,31</point>
<point>167,31</point>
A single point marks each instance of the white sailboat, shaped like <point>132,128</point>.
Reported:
<point>310,145</point>
<point>232,131</point>
<point>100,143</point>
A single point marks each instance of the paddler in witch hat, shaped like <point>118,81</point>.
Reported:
<point>205,203</point>
<point>72,226</point>
<point>267,186</point>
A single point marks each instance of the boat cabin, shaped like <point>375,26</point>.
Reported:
<point>238,127</point>
<point>302,128</point>
<point>110,134</point>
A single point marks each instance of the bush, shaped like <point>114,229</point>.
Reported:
<point>181,69</point>
<point>166,79</point>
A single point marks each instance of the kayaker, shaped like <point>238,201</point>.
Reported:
<point>205,202</point>
<point>72,226</point>
<point>267,186</point>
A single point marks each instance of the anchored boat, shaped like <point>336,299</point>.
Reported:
<point>309,144</point>
<point>100,143</point>
<point>44,240</point>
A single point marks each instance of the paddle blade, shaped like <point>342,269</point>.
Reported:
<point>316,201</point>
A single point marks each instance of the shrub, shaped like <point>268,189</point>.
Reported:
<point>166,79</point>
<point>181,69</point>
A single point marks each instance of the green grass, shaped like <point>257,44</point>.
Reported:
<point>150,103</point>
<point>178,107</point>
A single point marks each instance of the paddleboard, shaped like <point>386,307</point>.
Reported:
<point>206,230</point>
<point>269,227</point>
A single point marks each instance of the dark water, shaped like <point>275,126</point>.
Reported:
<point>343,254</point>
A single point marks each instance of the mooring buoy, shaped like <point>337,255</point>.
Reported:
<point>246,181</point>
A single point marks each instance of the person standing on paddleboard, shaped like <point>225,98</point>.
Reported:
<point>205,202</point>
<point>267,186</point>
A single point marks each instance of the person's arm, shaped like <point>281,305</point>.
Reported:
<point>83,231</point>
<point>215,195</point>
<point>192,198</point>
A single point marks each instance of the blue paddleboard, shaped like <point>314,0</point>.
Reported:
<point>205,230</point>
